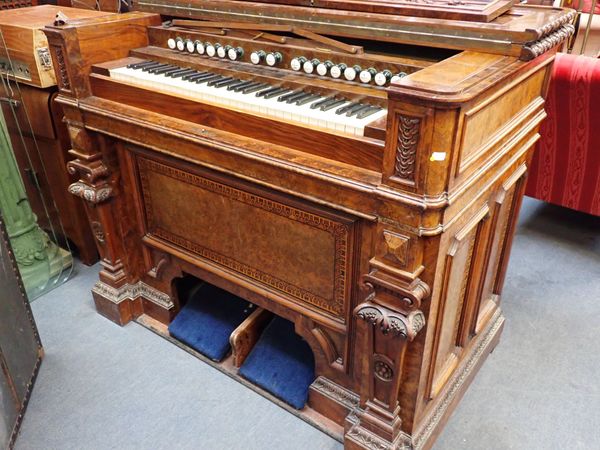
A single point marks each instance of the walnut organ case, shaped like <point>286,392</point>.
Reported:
<point>384,242</point>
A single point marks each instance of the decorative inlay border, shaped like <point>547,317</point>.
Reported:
<point>336,392</point>
<point>133,291</point>
<point>406,150</point>
<point>371,441</point>
<point>338,230</point>
<point>62,69</point>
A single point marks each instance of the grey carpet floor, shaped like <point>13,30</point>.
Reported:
<point>106,387</point>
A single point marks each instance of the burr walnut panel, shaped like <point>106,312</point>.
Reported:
<point>459,278</point>
<point>299,253</point>
<point>488,118</point>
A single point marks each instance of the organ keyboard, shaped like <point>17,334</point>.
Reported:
<point>329,112</point>
<point>355,167</point>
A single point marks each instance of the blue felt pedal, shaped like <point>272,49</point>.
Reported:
<point>208,319</point>
<point>282,363</point>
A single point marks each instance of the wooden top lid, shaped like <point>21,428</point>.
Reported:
<point>39,16</point>
<point>471,10</point>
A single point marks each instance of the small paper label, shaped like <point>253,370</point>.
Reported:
<point>438,156</point>
<point>44,57</point>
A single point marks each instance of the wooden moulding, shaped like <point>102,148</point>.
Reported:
<point>244,337</point>
<point>505,35</point>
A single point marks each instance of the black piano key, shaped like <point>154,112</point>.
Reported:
<point>367,112</point>
<point>333,104</point>
<point>139,65</point>
<point>161,70</point>
<point>268,91</point>
<point>254,87</point>
<point>296,97</point>
<point>249,84</point>
<point>144,65</point>
<point>213,82</point>
<point>210,77</point>
<point>345,109</point>
<point>192,76</point>
<point>153,66</point>
<point>356,109</point>
<point>305,100</point>
<point>171,71</point>
<point>223,83</point>
<point>289,95</point>
<point>321,102</point>
<point>240,84</point>
<point>180,72</point>
<point>276,93</point>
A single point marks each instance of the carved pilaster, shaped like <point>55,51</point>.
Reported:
<point>406,150</point>
<point>97,184</point>
<point>388,319</point>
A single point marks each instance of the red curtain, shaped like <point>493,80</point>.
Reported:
<point>566,165</point>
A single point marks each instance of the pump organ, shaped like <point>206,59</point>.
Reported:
<point>354,167</point>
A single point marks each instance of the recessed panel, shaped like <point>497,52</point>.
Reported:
<point>300,253</point>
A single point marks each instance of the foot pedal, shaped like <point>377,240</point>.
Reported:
<point>208,319</point>
<point>282,363</point>
<point>244,338</point>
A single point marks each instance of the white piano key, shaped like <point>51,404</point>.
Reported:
<point>302,115</point>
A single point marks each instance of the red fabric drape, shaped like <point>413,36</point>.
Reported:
<point>566,165</point>
<point>587,6</point>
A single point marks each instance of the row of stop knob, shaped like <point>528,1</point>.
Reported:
<point>350,73</point>
<point>309,66</point>
<point>223,51</point>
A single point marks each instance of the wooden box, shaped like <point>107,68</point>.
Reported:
<point>25,45</point>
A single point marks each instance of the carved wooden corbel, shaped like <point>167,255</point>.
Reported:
<point>93,185</point>
<point>391,322</point>
<point>91,194</point>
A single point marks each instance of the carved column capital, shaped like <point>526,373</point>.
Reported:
<point>91,194</point>
<point>391,322</point>
<point>94,184</point>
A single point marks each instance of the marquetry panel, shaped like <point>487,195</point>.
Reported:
<point>459,280</point>
<point>302,254</point>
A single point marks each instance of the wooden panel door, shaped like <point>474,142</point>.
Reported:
<point>20,347</point>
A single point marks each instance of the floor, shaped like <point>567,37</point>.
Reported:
<point>106,387</point>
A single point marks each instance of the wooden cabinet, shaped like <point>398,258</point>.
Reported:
<point>387,251</point>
